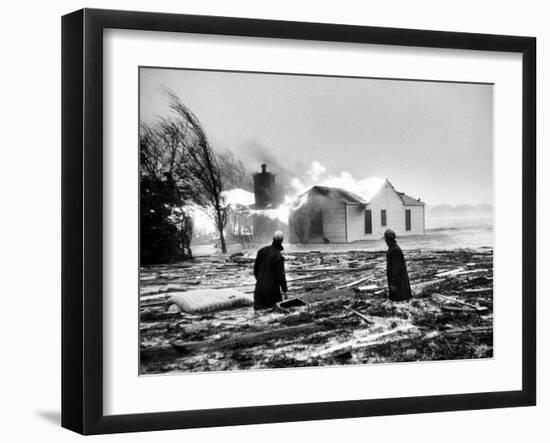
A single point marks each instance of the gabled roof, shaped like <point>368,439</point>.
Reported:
<point>409,201</point>
<point>352,198</point>
<point>342,194</point>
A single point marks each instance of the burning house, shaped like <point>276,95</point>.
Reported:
<point>334,215</point>
<point>254,217</point>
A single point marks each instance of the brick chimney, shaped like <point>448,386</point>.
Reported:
<point>264,188</point>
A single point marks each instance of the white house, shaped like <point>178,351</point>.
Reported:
<point>334,215</point>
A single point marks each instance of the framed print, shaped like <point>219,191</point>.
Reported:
<point>269,221</point>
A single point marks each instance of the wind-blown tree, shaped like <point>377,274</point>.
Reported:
<point>201,163</point>
<point>233,172</point>
<point>165,228</point>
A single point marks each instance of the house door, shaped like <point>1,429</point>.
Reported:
<point>317,223</point>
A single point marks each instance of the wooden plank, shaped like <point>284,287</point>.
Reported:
<point>340,269</point>
<point>478,309</point>
<point>354,283</point>
<point>478,330</point>
<point>449,273</point>
<point>478,290</point>
<point>179,349</point>
<point>358,314</point>
<point>473,271</point>
<point>403,332</point>
<point>427,284</point>
<point>367,288</point>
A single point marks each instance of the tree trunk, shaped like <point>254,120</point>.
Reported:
<point>219,222</point>
<point>222,240</point>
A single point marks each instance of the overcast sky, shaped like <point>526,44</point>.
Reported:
<point>431,140</point>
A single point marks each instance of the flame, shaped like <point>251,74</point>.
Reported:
<point>237,196</point>
<point>282,212</point>
<point>316,175</point>
<point>365,188</point>
<point>203,222</point>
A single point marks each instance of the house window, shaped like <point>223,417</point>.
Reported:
<point>368,221</point>
<point>317,223</point>
<point>383,217</point>
<point>407,219</point>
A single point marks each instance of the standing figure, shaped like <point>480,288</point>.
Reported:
<point>398,278</point>
<point>269,270</point>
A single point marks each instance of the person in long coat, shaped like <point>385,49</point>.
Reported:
<point>269,270</point>
<point>398,278</point>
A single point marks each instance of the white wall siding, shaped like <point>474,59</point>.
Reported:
<point>345,222</point>
<point>386,199</point>
<point>334,223</point>
<point>417,220</point>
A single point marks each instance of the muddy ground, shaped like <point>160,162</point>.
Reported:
<point>347,318</point>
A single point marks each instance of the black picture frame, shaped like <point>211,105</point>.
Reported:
<point>82,220</point>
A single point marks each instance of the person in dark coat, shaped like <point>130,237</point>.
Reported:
<point>398,278</point>
<point>269,270</point>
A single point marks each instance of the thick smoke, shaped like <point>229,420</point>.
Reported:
<point>254,153</point>
<point>316,175</point>
<point>292,179</point>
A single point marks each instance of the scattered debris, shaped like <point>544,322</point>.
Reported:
<point>354,283</point>
<point>343,317</point>
<point>179,348</point>
<point>478,309</point>
<point>367,288</point>
<point>291,303</point>
<point>362,316</point>
<point>449,273</point>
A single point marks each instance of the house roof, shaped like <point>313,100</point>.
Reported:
<point>342,194</point>
<point>350,197</point>
<point>409,201</point>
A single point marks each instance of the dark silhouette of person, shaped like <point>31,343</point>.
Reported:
<point>398,278</point>
<point>269,270</point>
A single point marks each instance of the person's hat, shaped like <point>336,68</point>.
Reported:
<point>389,234</point>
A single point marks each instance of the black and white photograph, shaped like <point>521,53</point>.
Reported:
<point>247,221</point>
<point>294,221</point>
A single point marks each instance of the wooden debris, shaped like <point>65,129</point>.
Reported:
<point>354,283</point>
<point>478,290</point>
<point>339,269</point>
<point>177,348</point>
<point>404,332</point>
<point>358,314</point>
<point>472,271</point>
<point>235,339</point>
<point>291,303</point>
<point>480,330</point>
<point>303,277</point>
<point>426,284</point>
<point>478,309</point>
<point>450,273</point>
<point>464,309</point>
<point>150,298</point>
<point>367,288</point>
